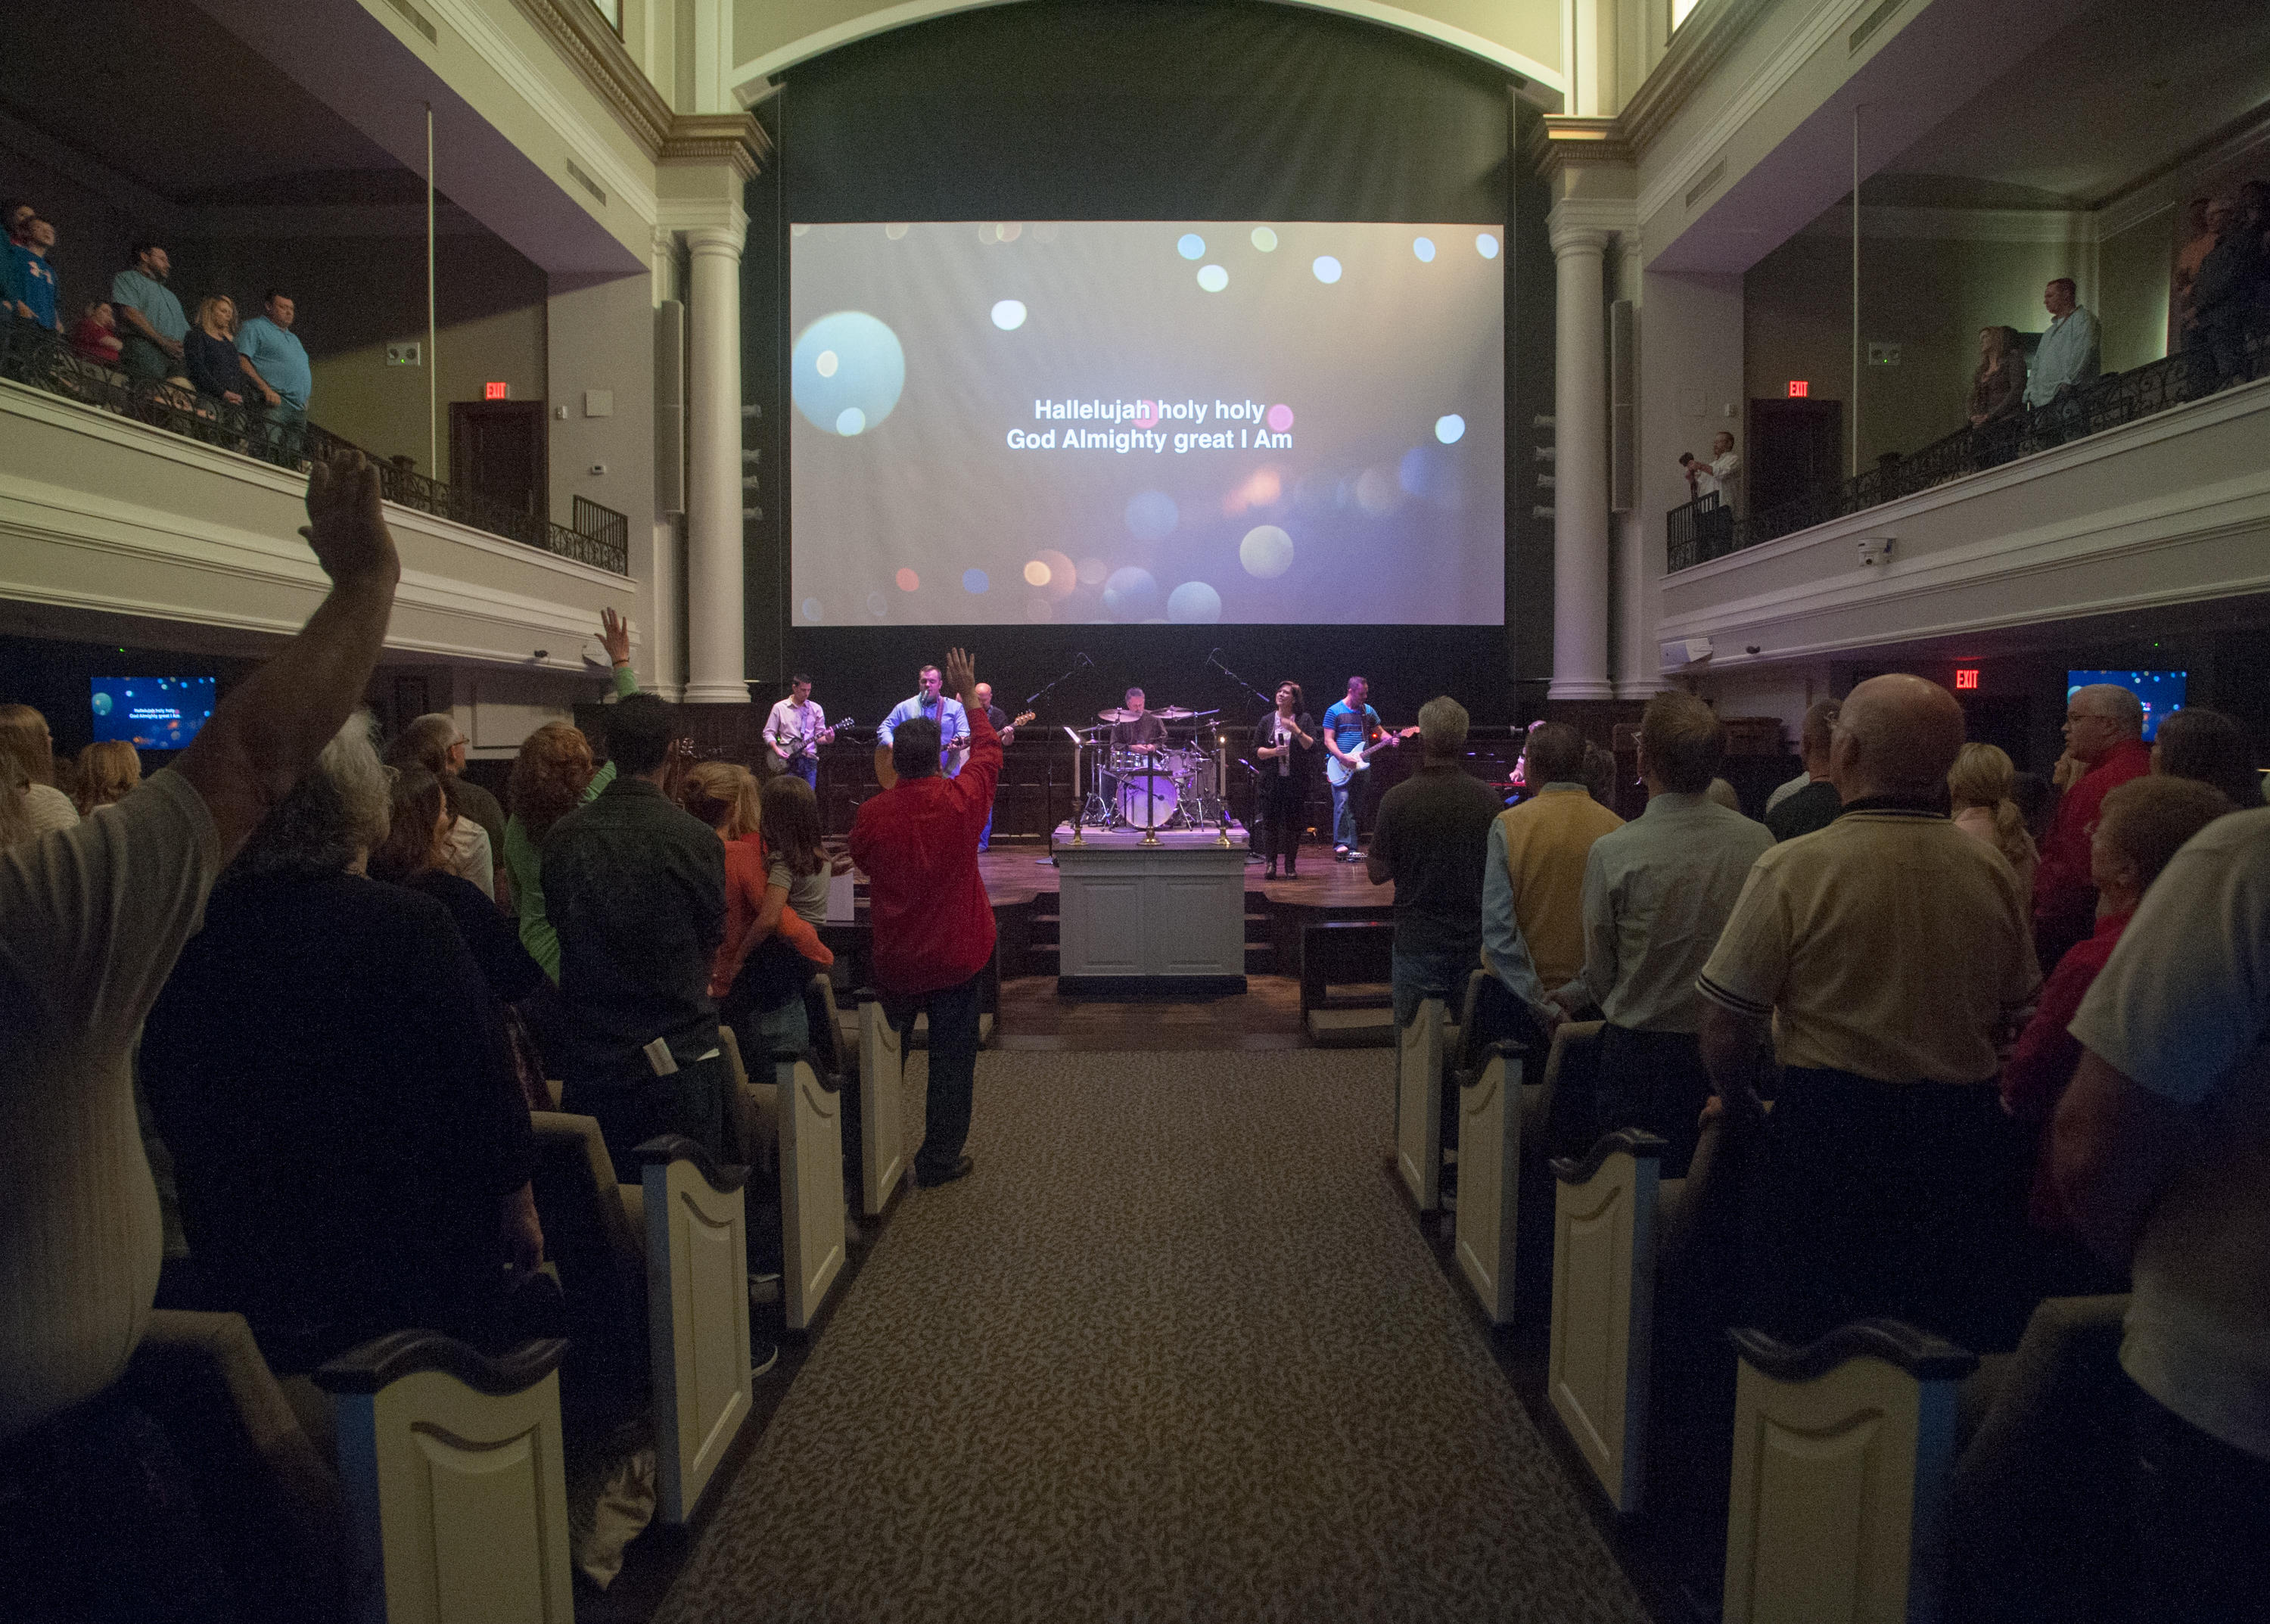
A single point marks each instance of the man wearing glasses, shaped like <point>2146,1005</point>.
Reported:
<point>2104,741</point>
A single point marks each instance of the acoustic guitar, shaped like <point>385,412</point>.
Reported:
<point>1339,772</point>
<point>887,775</point>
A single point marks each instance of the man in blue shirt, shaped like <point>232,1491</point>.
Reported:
<point>2068,353</point>
<point>953,723</point>
<point>31,279</point>
<point>275,362</point>
<point>1347,724</point>
<point>150,318</point>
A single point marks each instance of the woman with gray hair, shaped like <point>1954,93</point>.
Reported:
<point>352,1146</point>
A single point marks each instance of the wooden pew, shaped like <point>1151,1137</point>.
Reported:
<point>1418,1051</point>
<point>1348,955</point>
<point>882,1106</point>
<point>1603,1326</point>
<point>697,1249</point>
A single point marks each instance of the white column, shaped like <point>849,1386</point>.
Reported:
<point>714,651</point>
<point>1580,496</point>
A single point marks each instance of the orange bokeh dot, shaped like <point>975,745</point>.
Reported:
<point>908,580</point>
<point>1036,574</point>
<point>1063,574</point>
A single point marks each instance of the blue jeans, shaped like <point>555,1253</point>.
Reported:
<point>1418,976</point>
<point>1344,800</point>
<point>806,767</point>
<point>985,834</point>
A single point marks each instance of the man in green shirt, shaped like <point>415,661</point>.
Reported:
<point>150,318</point>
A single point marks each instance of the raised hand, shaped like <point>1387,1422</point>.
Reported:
<point>961,675</point>
<point>615,637</point>
<point>345,526</point>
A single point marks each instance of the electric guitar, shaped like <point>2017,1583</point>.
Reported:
<point>1339,772</point>
<point>887,775</point>
<point>795,744</point>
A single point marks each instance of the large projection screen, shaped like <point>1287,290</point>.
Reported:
<point>1294,423</point>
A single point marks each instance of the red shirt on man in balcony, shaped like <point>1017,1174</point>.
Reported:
<point>2105,737</point>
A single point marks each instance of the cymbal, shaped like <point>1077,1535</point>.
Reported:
<point>1116,716</point>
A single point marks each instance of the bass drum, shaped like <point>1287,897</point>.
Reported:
<point>1148,796</point>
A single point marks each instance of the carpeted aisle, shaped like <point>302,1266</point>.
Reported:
<point>1175,1351</point>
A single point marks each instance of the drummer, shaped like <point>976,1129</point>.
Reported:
<point>1138,730</point>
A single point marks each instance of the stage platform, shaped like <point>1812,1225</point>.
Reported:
<point>1018,870</point>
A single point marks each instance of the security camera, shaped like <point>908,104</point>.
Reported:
<point>1751,648</point>
<point>1875,549</point>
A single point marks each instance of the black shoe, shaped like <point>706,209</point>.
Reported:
<point>1272,874</point>
<point>929,1180</point>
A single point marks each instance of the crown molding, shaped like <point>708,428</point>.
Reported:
<point>581,36</point>
<point>733,139</point>
<point>1702,42</point>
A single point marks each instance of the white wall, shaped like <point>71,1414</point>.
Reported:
<point>1690,378</point>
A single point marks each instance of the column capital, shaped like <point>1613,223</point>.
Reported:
<point>726,240</point>
<point>1584,225</point>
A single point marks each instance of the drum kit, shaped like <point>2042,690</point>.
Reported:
<point>1176,786</point>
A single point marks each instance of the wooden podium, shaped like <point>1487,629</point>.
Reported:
<point>1137,919</point>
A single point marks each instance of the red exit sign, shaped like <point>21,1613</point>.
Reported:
<point>1966,677</point>
<point>496,391</point>
<point>1800,387</point>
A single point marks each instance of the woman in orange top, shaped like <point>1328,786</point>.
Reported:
<point>723,795</point>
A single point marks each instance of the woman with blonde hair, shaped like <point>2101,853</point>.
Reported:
<point>109,769</point>
<point>209,350</point>
<point>1980,783</point>
<point>25,742</point>
<point>1998,389</point>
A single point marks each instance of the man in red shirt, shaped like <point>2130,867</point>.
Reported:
<point>917,843</point>
<point>2105,734</point>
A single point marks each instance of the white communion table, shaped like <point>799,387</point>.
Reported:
<point>1157,919</point>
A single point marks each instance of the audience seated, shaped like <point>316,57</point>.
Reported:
<point>475,852</point>
<point>95,336</point>
<point>1885,955</point>
<point>2209,746</point>
<point>416,853</point>
<point>1814,804</point>
<point>552,777</point>
<point>2161,1152</point>
<point>2104,744</point>
<point>91,920</point>
<point>327,1066</point>
<point>28,752</point>
<point>2141,826</point>
<point>1980,785</point>
<point>109,770</point>
<point>635,890</point>
<point>917,843</point>
<point>768,955</point>
<point>1656,893</point>
<point>1533,877</point>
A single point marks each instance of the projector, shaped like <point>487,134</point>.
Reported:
<point>1685,651</point>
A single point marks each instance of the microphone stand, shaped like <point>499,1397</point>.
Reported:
<point>1032,700</point>
<point>1266,699</point>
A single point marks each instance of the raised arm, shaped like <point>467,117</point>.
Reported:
<point>267,731</point>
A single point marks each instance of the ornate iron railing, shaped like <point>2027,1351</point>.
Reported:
<point>1702,531</point>
<point>41,360</point>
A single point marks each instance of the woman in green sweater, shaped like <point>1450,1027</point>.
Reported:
<point>551,778</point>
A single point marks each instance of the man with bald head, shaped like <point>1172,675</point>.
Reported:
<point>1885,955</point>
<point>2104,736</point>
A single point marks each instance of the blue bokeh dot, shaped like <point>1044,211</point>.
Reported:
<point>975,581</point>
<point>1192,246</point>
<point>847,372</point>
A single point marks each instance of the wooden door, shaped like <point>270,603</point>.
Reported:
<point>497,450</point>
<point>1796,447</point>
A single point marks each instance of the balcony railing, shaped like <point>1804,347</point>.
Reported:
<point>40,359</point>
<point>1703,529</point>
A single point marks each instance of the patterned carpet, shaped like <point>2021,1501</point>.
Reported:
<point>1175,1351</point>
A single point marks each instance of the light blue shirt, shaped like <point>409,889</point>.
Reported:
<point>1503,945</point>
<point>2066,354</point>
<point>1658,893</point>
<point>154,300</point>
<point>279,357</point>
<point>946,711</point>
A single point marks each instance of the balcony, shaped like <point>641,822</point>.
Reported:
<point>2070,516</point>
<point>121,500</point>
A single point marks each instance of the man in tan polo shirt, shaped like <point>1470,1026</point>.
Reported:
<point>1885,953</point>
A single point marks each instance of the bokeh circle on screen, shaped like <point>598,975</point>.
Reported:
<point>1327,269</point>
<point>975,580</point>
<point>1266,552</point>
<point>1424,247</point>
<point>1152,515</point>
<point>811,610</point>
<point>1037,574</point>
<point>909,581</point>
<point>1213,278</point>
<point>1190,246</point>
<point>1486,245</point>
<point>1131,594</point>
<point>1063,577</point>
<point>1450,428</point>
<point>876,606</point>
<point>895,231</point>
<point>868,376</point>
<point>1194,603</point>
<point>1264,239</point>
<point>1280,417</point>
<point>1093,571</point>
<point>1009,315</point>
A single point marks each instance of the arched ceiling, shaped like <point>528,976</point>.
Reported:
<point>1522,37</point>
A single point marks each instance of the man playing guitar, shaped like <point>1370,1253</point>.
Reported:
<point>1352,732</point>
<point>796,728</point>
<point>1007,729</point>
